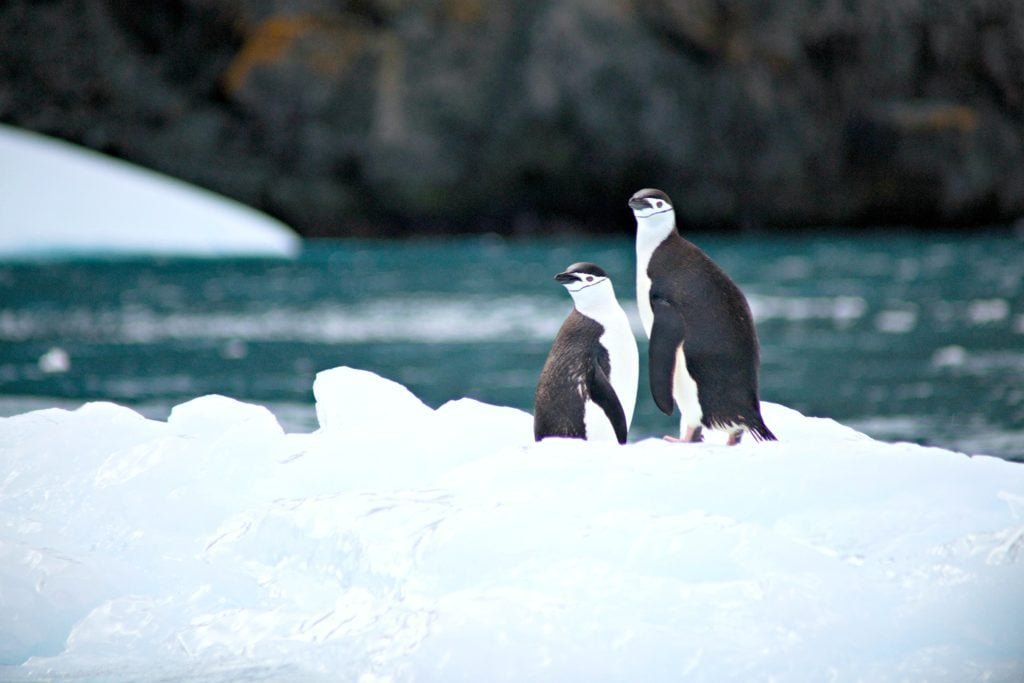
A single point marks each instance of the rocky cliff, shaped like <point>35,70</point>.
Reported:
<point>397,116</point>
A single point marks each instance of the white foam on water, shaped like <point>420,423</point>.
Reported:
<point>426,318</point>
<point>841,309</point>
<point>416,319</point>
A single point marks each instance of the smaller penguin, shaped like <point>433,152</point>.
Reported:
<point>587,389</point>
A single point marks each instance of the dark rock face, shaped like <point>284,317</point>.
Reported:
<point>398,116</point>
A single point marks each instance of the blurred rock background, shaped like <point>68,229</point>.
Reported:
<point>394,117</point>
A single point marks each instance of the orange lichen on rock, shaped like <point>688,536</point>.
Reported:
<point>269,42</point>
<point>325,45</point>
<point>937,117</point>
<point>463,11</point>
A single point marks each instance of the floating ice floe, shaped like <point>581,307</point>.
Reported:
<point>402,543</point>
<point>63,200</point>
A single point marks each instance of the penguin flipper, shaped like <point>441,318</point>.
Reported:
<point>667,333</point>
<point>603,394</point>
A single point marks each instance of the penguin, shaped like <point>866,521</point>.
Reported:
<point>587,388</point>
<point>703,352</point>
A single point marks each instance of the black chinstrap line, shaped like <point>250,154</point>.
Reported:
<point>658,212</point>
<point>592,284</point>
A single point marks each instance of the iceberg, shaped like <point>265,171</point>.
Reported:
<point>397,542</point>
<point>62,200</point>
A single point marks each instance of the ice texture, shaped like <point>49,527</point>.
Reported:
<point>402,543</point>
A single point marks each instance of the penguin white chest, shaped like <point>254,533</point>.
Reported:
<point>684,391</point>
<point>643,300</point>
<point>597,424</point>
<point>624,360</point>
<point>624,367</point>
<point>644,251</point>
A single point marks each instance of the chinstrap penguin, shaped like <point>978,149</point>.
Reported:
<point>587,388</point>
<point>703,350</point>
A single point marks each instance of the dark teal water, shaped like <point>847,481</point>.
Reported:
<point>910,337</point>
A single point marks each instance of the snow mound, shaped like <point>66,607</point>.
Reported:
<point>401,543</point>
<point>60,200</point>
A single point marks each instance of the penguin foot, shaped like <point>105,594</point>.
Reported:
<point>734,437</point>
<point>692,435</point>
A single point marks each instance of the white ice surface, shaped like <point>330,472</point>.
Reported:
<point>401,543</point>
<point>59,199</point>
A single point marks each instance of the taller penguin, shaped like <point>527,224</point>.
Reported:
<point>587,389</point>
<point>703,350</point>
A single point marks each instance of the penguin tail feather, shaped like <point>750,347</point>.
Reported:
<point>760,432</point>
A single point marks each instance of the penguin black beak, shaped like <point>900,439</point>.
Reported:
<point>639,203</point>
<point>566,278</point>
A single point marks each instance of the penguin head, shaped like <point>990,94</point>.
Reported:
<point>588,284</point>
<point>655,215</point>
<point>649,202</point>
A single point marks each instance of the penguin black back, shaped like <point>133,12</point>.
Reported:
<point>567,381</point>
<point>722,353</point>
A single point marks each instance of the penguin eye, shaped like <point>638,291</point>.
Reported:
<point>590,278</point>
<point>659,204</point>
